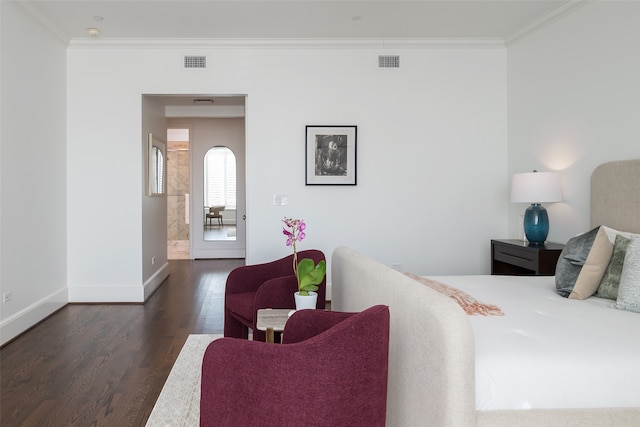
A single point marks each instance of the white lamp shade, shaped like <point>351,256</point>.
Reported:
<point>536,187</point>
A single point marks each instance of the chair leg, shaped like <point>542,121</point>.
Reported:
<point>233,328</point>
<point>259,335</point>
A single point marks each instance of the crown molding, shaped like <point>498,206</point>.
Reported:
<point>569,6</point>
<point>55,30</point>
<point>400,43</point>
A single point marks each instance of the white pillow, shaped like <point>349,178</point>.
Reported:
<point>629,290</point>
<point>611,234</point>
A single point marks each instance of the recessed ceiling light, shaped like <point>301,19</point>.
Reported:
<point>98,18</point>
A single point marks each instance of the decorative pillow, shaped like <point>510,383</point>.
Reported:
<point>594,267</point>
<point>612,233</point>
<point>571,260</point>
<point>629,290</point>
<point>611,279</point>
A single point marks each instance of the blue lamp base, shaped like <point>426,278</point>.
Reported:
<point>536,224</point>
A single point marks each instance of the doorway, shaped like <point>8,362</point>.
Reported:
<point>218,228</point>
<point>206,196</point>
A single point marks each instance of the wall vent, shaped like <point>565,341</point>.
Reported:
<point>195,62</point>
<point>389,61</point>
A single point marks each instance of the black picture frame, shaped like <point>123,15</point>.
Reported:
<point>331,155</point>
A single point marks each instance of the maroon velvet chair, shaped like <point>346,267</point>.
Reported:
<point>330,370</point>
<point>269,285</point>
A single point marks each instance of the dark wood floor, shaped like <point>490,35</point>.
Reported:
<point>104,365</point>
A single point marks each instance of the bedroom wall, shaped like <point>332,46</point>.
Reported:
<point>32,171</point>
<point>155,267</point>
<point>431,150</point>
<point>574,102</point>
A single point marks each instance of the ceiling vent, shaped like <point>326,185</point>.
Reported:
<point>203,101</point>
<point>389,61</point>
<point>195,62</point>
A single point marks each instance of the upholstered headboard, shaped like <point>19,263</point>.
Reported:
<point>615,195</point>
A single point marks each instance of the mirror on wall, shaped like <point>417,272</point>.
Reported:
<point>157,169</point>
<point>220,211</point>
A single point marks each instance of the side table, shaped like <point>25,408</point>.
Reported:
<point>517,257</point>
<point>272,320</point>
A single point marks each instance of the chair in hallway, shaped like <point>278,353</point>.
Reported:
<point>214,212</point>
<point>269,285</point>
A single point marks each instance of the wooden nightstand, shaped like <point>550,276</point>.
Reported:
<point>515,257</point>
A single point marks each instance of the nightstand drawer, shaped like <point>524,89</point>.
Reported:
<point>516,256</point>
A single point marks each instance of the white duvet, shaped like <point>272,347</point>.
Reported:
<point>548,351</point>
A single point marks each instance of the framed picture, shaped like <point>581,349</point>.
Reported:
<point>331,155</point>
<point>157,170</point>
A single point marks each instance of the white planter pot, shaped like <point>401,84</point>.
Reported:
<point>306,302</point>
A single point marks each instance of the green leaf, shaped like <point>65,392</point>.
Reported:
<point>309,275</point>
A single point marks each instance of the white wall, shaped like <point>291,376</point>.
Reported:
<point>155,267</point>
<point>33,174</point>
<point>431,151</point>
<point>574,102</point>
<point>104,168</point>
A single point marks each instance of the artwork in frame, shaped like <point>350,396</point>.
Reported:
<point>331,155</point>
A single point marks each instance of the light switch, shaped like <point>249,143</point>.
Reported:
<point>280,200</point>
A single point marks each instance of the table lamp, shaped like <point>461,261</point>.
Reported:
<point>536,188</point>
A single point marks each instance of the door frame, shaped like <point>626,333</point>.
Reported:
<point>200,248</point>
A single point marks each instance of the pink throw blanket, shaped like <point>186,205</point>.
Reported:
<point>469,304</point>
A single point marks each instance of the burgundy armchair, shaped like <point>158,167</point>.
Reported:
<point>330,370</point>
<point>269,285</point>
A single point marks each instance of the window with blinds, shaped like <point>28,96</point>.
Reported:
<point>220,174</point>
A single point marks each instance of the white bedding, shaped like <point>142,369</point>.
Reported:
<point>548,351</point>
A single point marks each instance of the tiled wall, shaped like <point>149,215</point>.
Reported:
<point>177,187</point>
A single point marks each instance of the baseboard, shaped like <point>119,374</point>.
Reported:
<point>30,316</point>
<point>155,281</point>
<point>209,253</point>
<point>106,294</point>
<point>119,294</point>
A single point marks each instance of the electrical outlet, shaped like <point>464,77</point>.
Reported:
<point>7,296</point>
<point>153,260</point>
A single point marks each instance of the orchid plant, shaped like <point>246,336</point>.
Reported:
<point>308,274</point>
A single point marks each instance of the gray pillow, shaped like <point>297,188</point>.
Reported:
<point>629,290</point>
<point>611,280</point>
<point>572,259</point>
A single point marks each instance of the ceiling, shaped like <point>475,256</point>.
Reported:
<point>286,19</point>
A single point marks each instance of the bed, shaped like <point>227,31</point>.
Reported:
<point>542,360</point>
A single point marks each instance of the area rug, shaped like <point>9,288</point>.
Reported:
<point>179,402</point>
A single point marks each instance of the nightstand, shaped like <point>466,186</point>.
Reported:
<point>516,257</point>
